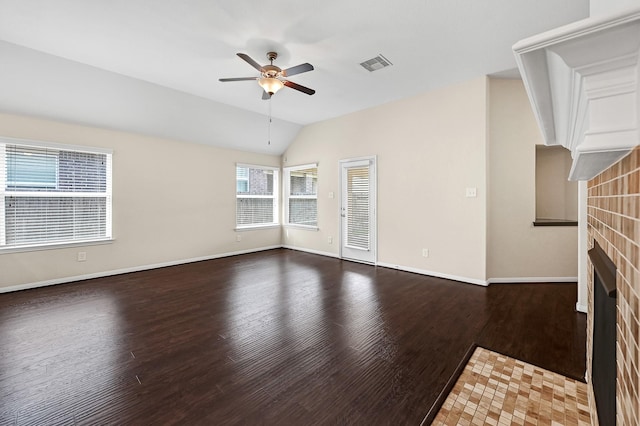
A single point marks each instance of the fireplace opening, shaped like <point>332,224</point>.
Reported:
<point>603,361</point>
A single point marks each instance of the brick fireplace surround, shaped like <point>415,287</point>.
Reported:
<point>614,222</point>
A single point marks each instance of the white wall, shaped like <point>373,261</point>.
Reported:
<point>37,84</point>
<point>517,249</point>
<point>605,7</point>
<point>429,149</point>
<point>172,201</point>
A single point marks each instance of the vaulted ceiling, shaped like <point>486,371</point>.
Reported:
<point>182,48</point>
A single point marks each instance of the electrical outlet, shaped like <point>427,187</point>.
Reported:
<point>471,192</point>
<point>82,256</point>
<point>425,252</point>
<point>238,237</point>
<point>330,239</point>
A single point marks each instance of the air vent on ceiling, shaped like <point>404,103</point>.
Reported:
<point>377,63</point>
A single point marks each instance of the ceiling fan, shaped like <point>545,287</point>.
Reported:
<point>272,78</point>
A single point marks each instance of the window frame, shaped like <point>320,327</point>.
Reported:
<point>286,173</point>
<point>38,192</point>
<point>275,197</point>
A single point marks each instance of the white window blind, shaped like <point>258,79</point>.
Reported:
<point>256,196</point>
<point>301,195</point>
<point>358,208</point>
<point>53,194</point>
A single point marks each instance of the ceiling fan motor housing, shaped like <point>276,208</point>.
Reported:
<point>271,71</point>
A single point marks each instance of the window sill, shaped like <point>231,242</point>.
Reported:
<point>54,246</point>
<point>306,227</point>
<point>256,227</point>
<point>555,222</point>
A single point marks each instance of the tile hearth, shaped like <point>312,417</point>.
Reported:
<point>495,389</point>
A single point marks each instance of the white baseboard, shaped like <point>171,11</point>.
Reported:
<point>306,250</point>
<point>434,274</point>
<point>128,270</point>
<point>26,286</point>
<point>528,280</point>
<point>582,308</point>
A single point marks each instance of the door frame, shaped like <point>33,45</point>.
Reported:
<point>373,200</point>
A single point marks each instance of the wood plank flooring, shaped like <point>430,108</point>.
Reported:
<point>277,337</point>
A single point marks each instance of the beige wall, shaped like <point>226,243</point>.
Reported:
<point>556,195</point>
<point>515,247</point>
<point>177,203</point>
<point>429,148</point>
<point>171,201</point>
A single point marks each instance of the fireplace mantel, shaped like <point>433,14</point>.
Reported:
<point>582,80</point>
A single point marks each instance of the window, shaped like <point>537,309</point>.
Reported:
<point>256,196</point>
<point>53,194</point>
<point>301,195</point>
<point>242,179</point>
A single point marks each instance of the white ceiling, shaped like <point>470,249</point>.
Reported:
<point>187,45</point>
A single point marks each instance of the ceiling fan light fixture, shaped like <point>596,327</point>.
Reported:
<point>270,84</point>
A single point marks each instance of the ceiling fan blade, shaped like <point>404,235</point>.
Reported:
<point>225,80</point>
<point>250,61</point>
<point>265,96</point>
<point>298,87</point>
<point>298,69</point>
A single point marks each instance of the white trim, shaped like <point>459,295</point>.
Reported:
<point>27,286</point>
<point>529,280</point>
<point>364,159</point>
<point>372,162</point>
<point>298,226</point>
<point>286,193</point>
<point>55,246</point>
<point>586,101</point>
<point>306,250</point>
<point>583,243</point>
<point>64,280</point>
<point>434,274</point>
<point>257,227</point>
<point>107,195</point>
<point>3,185</point>
<point>301,167</point>
<point>256,166</point>
<point>55,145</point>
<point>275,196</point>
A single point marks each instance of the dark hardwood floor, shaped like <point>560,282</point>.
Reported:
<point>277,337</point>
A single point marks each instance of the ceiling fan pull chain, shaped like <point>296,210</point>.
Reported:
<point>269,135</point>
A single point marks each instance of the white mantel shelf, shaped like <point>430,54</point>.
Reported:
<point>582,80</point>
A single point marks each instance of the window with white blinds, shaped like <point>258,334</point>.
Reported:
<point>358,206</point>
<point>53,194</point>
<point>301,195</point>
<point>256,196</point>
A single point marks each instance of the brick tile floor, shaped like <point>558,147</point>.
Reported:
<point>497,390</point>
